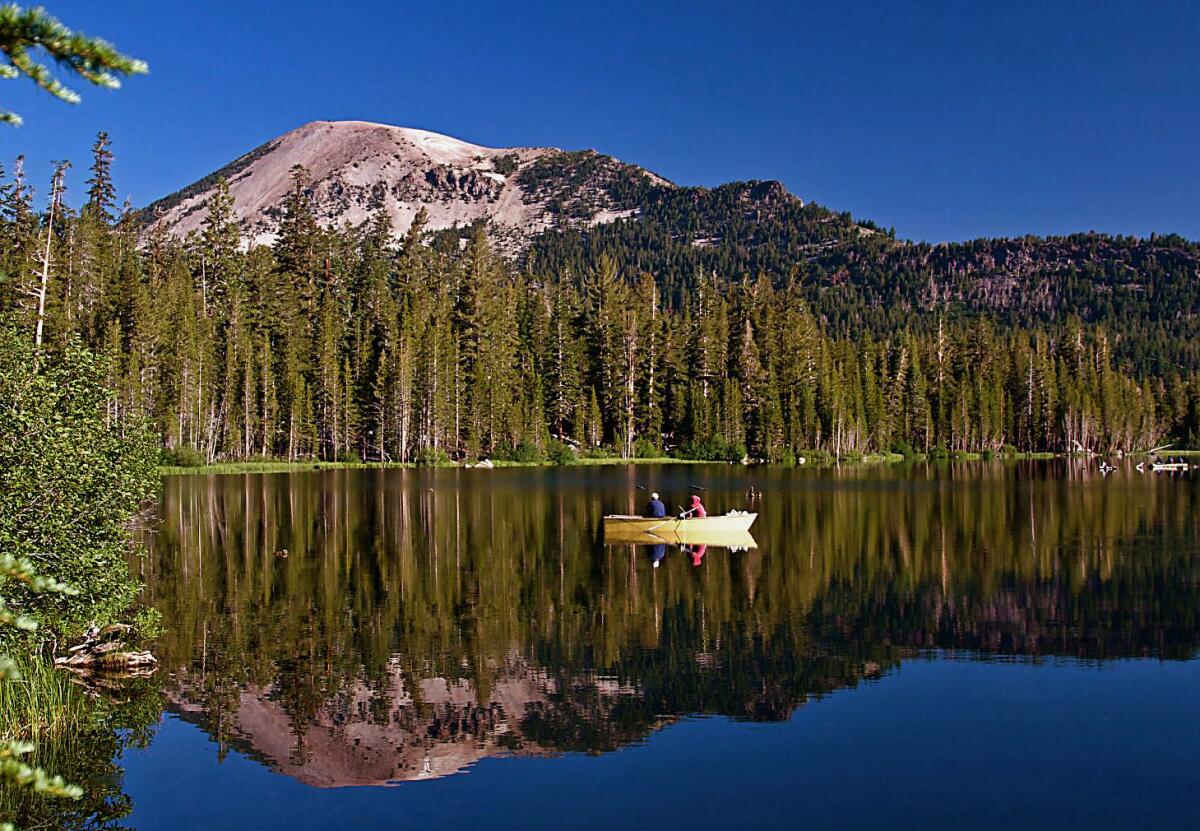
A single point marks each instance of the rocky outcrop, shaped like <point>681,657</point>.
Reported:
<point>357,168</point>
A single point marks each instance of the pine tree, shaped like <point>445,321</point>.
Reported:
<point>601,324</point>
<point>487,336</point>
<point>649,368</point>
<point>563,360</point>
<point>328,391</point>
<point>18,243</point>
<point>220,261</point>
<point>298,249</point>
<point>102,195</point>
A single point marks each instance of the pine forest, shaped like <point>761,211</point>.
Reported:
<point>351,345</point>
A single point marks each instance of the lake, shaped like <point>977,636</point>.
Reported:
<point>1003,645</point>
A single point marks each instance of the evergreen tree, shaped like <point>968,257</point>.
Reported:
<point>220,260</point>
<point>101,195</point>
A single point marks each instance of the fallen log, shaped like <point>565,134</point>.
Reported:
<point>104,650</point>
<point>107,659</point>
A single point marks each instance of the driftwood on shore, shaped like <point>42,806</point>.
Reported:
<point>105,650</point>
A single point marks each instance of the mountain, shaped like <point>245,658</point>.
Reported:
<point>357,167</point>
<point>560,212</point>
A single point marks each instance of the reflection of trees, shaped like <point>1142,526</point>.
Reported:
<point>400,585</point>
<point>88,755</point>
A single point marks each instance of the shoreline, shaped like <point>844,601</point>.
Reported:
<point>282,466</point>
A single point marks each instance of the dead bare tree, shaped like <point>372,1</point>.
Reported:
<point>57,186</point>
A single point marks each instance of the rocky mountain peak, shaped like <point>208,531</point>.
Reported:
<point>357,167</point>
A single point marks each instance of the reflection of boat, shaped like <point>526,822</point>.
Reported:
<point>726,530</point>
<point>717,539</point>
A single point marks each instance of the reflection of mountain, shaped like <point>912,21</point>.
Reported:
<point>424,621</point>
<point>435,730</point>
<point>390,730</point>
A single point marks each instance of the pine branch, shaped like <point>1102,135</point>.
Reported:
<point>22,570</point>
<point>16,772</point>
<point>26,32</point>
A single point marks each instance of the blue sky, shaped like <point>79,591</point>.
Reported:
<point>946,120</point>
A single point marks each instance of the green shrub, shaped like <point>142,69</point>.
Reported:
<point>56,436</point>
<point>713,449</point>
<point>939,452</point>
<point>904,449</point>
<point>147,624</point>
<point>524,453</point>
<point>560,453</point>
<point>644,448</point>
<point>183,456</point>
<point>430,457</point>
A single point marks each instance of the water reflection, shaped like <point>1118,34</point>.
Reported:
<point>424,620</point>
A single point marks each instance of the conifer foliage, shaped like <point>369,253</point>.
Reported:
<point>25,33</point>
<point>345,344</point>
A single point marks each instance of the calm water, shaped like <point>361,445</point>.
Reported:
<point>1005,646</point>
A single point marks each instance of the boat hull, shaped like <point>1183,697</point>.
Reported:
<point>727,530</point>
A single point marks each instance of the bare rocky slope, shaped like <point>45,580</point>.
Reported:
<point>357,167</point>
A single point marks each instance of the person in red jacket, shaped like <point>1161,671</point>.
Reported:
<point>697,509</point>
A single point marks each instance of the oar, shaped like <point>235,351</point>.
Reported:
<point>650,530</point>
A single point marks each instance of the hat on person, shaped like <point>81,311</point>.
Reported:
<point>654,496</point>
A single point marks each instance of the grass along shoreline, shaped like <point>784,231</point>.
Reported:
<point>283,466</point>
<point>815,460</point>
<point>42,703</point>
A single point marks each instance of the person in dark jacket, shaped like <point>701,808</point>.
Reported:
<point>655,509</point>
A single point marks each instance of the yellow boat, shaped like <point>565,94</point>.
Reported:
<point>725,531</point>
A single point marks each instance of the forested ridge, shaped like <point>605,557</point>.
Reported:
<point>857,277</point>
<point>715,324</point>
